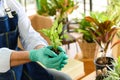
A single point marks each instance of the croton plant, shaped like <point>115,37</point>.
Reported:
<point>103,32</point>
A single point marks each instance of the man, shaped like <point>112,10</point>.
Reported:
<point>21,65</point>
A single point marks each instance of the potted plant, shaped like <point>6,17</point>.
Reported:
<point>114,74</point>
<point>53,34</point>
<point>87,39</point>
<point>103,32</point>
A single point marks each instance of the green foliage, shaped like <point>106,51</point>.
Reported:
<point>84,25</point>
<point>114,74</point>
<point>50,7</point>
<point>46,8</point>
<point>54,34</point>
<point>83,28</point>
<point>102,30</point>
<point>57,8</point>
<point>113,10</point>
<point>100,16</point>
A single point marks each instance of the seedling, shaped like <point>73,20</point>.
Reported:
<point>54,34</point>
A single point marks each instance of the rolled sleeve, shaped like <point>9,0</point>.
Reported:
<point>28,36</point>
<point>5,59</point>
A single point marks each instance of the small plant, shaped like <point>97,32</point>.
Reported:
<point>114,74</point>
<point>54,35</point>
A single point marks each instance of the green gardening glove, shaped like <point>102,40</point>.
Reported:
<point>61,50</point>
<point>65,57</point>
<point>47,57</point>
<point>63,54</point>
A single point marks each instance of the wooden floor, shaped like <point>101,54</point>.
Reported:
<point>88,66</point>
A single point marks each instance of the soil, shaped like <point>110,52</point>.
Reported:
<point>56,51</point>
<point>104,61</point>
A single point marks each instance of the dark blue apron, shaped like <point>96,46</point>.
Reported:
<point>8,38</point>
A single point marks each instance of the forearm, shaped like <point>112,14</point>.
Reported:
<point>19,57</point>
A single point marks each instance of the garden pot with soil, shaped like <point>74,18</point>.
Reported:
<point>101,65</point>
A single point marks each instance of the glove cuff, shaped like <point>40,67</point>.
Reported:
<point>32,55</point>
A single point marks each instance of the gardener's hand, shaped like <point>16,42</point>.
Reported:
<point>47,58</point>
<point>63,54</point>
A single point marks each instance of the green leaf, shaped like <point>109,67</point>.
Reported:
<point>60,28</point>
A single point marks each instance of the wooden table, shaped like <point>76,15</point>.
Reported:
<point>90,76</point>
<point>74,68</point>
<point>89,69</point>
